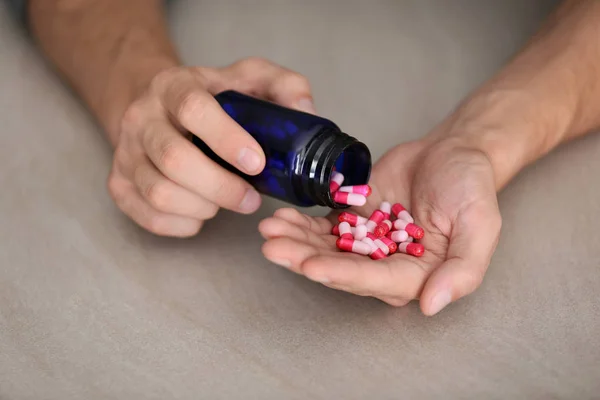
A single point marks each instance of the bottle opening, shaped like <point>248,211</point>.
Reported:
<point>354,163</point>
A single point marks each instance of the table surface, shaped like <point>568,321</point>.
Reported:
<point>93,307</point>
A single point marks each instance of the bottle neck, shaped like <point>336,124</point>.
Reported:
<point>332,149</point>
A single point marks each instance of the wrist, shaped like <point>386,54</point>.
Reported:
<point>511,127</point>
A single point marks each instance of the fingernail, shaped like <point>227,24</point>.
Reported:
<point>440,300</point>
<point>306,105</point>
<point>283,263</point>
<point>249,160</point>
<point>251,201</point>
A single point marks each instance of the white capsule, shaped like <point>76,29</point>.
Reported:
<point>360,232</point>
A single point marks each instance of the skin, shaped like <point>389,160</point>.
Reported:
<point>547,95</point>
<point>129,75</point>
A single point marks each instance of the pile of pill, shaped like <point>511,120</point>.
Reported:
<point>378,236</point>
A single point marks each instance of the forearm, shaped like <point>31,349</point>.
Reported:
<point>548,94</point>
<point>107,50</point>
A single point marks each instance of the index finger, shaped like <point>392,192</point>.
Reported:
<point>197,111</point>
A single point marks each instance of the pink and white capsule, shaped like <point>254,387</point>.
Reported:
<point>413,230</point>
<point>398,236</point>
<point>352,219</point>
<point>360,232</point>
<point>375,219</point>
<point>345,230</point>
<point>365,190</point>
<point>336,181</point>
<point>414,249</point>
<point>354,246</point>
<point>376,253</point>
<point>386,209</point>
<point>400,212</point>
<point>390,244</point>
<point>383,228</point>
<point>351,199</point>
<point>384,247</point>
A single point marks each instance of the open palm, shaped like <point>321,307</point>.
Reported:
<point>451,193</point>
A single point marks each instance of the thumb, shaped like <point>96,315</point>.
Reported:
<point>472,242</point>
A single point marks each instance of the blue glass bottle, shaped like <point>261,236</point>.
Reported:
<point>301,151</point>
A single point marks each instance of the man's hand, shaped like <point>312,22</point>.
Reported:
<point>450,191</point>
<point>164,182</point>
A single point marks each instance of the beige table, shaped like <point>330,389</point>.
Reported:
<point>91,307</point>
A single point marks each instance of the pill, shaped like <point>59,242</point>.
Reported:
<point>345,230</point>
<point>379,243</point>
<point>336,181</point>
<point>365,190</point>
<point>354,246</point>
<point>383,228</point>
<point>386,209</point>
<point>375,219</point>
<point>376,253</point>
<point>414,249</point>
<point>351,199</point>
<point>400,212</point>
<point>360,232</point>
<point>390,244</point>
<point>413,230</point>
<point>352,219</point>
<point>409,240</point>
<point>398,236</point>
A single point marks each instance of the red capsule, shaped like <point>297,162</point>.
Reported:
<point>352,219</point>
<point>365,190</point>
<point>375,219</point>
<point>336,181</point>
<point>413,230</point>
<point>390,244</point>
<point>400,212</point>
<point>414,249</point>
<point>354,246</point>
<point>383,228</point>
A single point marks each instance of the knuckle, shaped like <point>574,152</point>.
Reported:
<point>133,118</point>
<point>191,105</point>
<point>163,79</point>
<point>292,79</point>
<point>296,78</point>
<point>158,195</point>
<point>170,156</point>
<point>255,63</point>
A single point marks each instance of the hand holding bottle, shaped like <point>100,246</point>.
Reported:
<point>165,183</point>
